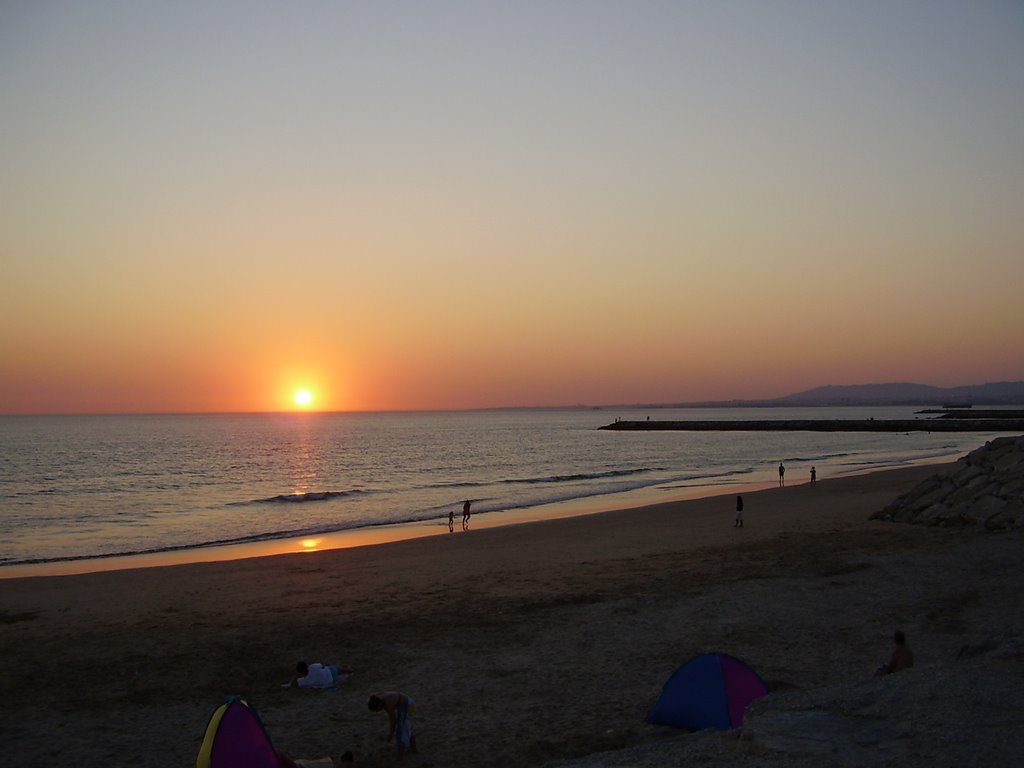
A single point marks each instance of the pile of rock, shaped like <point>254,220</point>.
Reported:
<point>985,487</point>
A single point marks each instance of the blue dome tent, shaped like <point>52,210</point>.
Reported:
<point>709,691</point>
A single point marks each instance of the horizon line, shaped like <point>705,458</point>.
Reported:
<point>780,401</point>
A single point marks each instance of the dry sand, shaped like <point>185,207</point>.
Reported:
<point>545,642</point>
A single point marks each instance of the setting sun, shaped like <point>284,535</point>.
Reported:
<point>303,398</point>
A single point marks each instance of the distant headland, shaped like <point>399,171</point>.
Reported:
<point>952,407</point>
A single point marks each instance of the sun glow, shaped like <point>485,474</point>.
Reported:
<point>303,398</point>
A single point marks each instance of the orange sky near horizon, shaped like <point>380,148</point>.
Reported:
<point>408,208</point>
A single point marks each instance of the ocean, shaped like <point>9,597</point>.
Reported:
<point>83,488</point>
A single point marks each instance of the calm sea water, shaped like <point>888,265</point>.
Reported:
<point>74,487</point>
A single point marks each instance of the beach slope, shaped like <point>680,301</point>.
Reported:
<point>544,643</point>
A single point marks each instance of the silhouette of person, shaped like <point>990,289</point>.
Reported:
<point>901,657</point>
<point>451,522</point>
<point>814,476</point>
<point>782,475</point>
<point>739,513</point>
<point>466,514</point>
<point>400,709</point>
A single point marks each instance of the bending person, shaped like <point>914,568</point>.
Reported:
<point>400,709</point>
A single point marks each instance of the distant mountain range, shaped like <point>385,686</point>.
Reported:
<point>996,393</point>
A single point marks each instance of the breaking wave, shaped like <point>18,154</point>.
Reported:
<point>545,479</point>
<point>301,498</point>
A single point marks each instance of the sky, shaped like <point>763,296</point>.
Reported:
<point>208,206</point>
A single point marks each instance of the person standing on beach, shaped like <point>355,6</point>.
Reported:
<point>466,514</point>
<point>739,513</point>
<point>782,475</point>
<point>400,709</point>
<point>451,521</point>
<point>814,476</point>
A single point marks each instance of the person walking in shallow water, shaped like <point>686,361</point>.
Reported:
<point>451,521</point>
<point>466,514</point>
<point>782,475</point>
<point>739,513</point>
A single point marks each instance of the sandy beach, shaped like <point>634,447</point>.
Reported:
<point>546,643</point>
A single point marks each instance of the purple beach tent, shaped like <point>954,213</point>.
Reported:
<point>235,738</point>
<point>709,691</point>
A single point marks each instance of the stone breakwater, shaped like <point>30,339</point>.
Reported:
<point>985,487</point>
<point>825,425</point>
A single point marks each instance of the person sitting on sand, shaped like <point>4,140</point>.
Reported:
<point>901,658</point>
<point>286,762</point>
<point>400,709</point>
<point>317,675</point>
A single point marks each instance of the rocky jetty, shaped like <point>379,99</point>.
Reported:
<point>824,425</point>
<point>985,488</point>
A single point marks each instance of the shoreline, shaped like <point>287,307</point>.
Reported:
<point>369,536</point>
<point>390,533</point>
